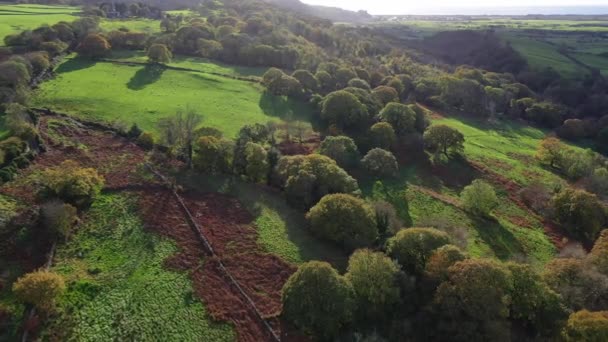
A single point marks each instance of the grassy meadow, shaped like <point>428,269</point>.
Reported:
<point>118,288</point>
<point>17,18</point>
<point>143,94</point>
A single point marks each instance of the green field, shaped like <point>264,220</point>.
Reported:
<point>143,94</point>
<point>17,18</point>
<point>118,288</point>
<point>505,148</point>
<point>132,24</point>
<point>594,61</point>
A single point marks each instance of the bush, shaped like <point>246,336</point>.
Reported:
<point>359,83</point>
<point>479,198</point>
<point>58,218</point>
<point>342,149</point>
<point>72,183</point>
<point>317,300</point>
<point>440,261</point>
<point>380,163</point>
<point>374,279</point>
<point>386,95</point>
<point>213,155</point>
<point>580,212</point>
<point>94,46</point>
<point>599,253</point>
<point>257,162</point>
<point>587,326</point>
<point>39,288</point>
<point>413,246</point>
<point>146,140</point>
<point>159,53</point>
<point>344,219</point>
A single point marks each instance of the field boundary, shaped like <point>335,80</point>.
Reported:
<point>209,250</point>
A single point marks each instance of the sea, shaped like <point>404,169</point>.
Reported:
<point>507,10</point>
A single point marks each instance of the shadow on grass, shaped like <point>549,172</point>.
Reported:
<point>258,199</point>
<point>145,76</point>
<point>502,242</point>
<point>455,173</point>
<point>391,190</point>
<point>282,107</point>
<point>75,64</point>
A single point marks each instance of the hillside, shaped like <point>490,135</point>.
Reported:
<point>330,13</point>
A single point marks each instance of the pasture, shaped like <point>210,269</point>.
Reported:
<point>118,285</point>
<point>17,18</point>
<point>143,94</point>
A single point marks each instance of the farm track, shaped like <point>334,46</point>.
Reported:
<point>238,264</point>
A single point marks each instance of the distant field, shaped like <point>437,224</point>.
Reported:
<point>133,24</point>
<point>119,288</point>
<point>595,61</point>
<point>17,18</point>
<point>142,95</point>
<point>199,64</point>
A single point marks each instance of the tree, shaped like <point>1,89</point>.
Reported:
<point>374,279</point>
<point>257,162</point>
<point>58,218</point>
<point>413,246</point>
<point>213,155</point>
<point>479,198</point>
<point>385,95</point>
<point>580,286</point>
<point>71,183</point>
<point>382,135</point>
<point>580,212</point>
<point>328,178</point>
<point>342,149</point>
<point>422,122</point>
<point>344,219</point>
<point>359,83</point>
<point>317,300</point>
<point>440,261</point>
<point>587,326</point>
<point>550,151</point>
<point>400,116</point>
<point>343,109</point>
<point>306,79</point>
<point>39,288</point>
<point>444,139</point>
<point>271,75</point>
<point>14,73</point>
<point>94,46</point>
<point>159,53</point>
<point>179,132</point>
<point>285,86</point>
<point>473,304</point>
<point>343,75</point>
<point>380,163</point>
<point>599,253</point>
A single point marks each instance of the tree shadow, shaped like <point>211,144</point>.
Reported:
<point>502,242</point>
<point>284,107</point>
<point>75,64</point>
<point>146,76</point>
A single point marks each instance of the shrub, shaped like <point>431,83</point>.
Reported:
<point>580,212</point>
<point>39,288</point>
<point>146,140</point>
<point>94,46</point>
<point>257,162</point>
<point>599,253</point>
<point>479,198</point>
<point>587,326</point>
<point>386,218</point>
<point>344,219</point>
<point>72,183</point>
<point>380,163</point>
<point>385,95</point>
<point>58,218</point>
<point>440,261</point>
<point>374,279</point>
<point>317,300</point>
<point>550,152</point>
<point>342,149</point>
<point>159,53</point>
<point>413,246</point>
<point>213,155</point>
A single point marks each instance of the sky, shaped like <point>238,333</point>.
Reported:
<point>453,6</point>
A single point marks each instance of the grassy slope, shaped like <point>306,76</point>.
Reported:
<point>282,229</point>
<point>16,18</point>
<point>105,91</point>
<point>506,148</point>
<point>133,24</point>
<point>118,287</point>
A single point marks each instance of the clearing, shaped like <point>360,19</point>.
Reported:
<point>17,18</point>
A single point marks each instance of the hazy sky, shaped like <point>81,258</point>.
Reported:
<point>406,6</point>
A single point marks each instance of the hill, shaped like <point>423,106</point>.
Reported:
<point>331,13</point>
